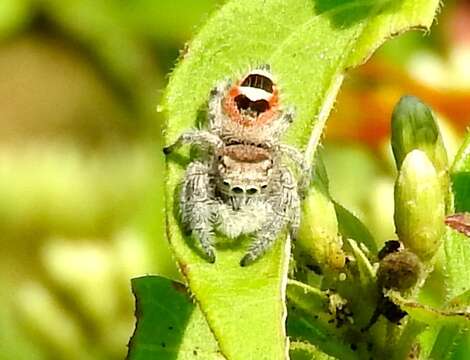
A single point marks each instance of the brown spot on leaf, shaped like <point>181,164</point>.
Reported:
<point>459,222</point>
<point>179,287</point>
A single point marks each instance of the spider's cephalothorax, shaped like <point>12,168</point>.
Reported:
<point>241,185</point>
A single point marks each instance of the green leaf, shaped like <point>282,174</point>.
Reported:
<point>452,343</point>
<point>350,227</point>
<point>461,301</point>
<point>457,269</point>
<point>407,339</point>
<point>456,244</point>
<point>301,39</point>
<point>305,351</point>
<point>309,44</point>
<point>452,323</point>
<point>366,271</point>
<point>238,300</point>
<point>169,324</point>
<point>430,315</point>
<point>449,324</point>
<point>461,345</point>
<point>460,176</point>
<point>452,338</point>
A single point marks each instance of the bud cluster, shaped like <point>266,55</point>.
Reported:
<point>422,185</point>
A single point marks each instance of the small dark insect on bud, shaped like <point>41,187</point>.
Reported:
<point>398,270</point>
<point>389,247</point>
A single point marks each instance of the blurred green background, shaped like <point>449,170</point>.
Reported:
<point>81,169</point>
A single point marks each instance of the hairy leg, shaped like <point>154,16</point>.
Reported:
<point>198,137</point>
<point>285,211</point>
<point>198,207</point>
<point>215,111</point>
<point>298,158</point>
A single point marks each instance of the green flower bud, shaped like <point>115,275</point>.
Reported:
<point>419,205</point>
<point>414,127</point>
<point>318,237</point>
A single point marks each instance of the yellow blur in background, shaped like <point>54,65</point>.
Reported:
<point>81,169</point>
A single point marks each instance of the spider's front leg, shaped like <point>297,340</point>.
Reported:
<point>198,137</point>
<point>298,158</point>
<point>285,205</point>
<point>198,206</point>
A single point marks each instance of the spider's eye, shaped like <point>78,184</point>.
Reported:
<point>226,183</point>
<point>237,190</point>
<point>264,186</point>
<point>252,191</point>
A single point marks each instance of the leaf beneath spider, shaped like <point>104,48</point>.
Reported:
<point>309,45</point>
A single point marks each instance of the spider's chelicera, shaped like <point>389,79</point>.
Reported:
<point>241,184</point>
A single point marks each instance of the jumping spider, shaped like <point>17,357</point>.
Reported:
<point>241,185</point>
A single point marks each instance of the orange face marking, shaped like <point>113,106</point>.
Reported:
<point>246,112</point>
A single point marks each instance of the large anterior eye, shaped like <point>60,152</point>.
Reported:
<point>258,81</point>
<point>252,191</point>
<point>237,190</point>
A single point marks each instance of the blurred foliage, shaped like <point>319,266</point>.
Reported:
<point>80,165</point>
